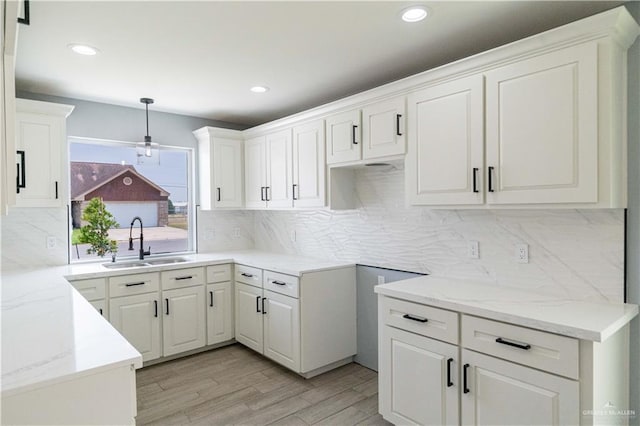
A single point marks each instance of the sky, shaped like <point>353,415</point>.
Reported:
<point>171,174</point>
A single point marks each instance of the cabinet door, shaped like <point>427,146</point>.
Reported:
<point>40,137</point>
<point>101,307</point>
<point>418,379</point>
<point>248,300</point>
<point>344,137</point>
<point>219,313</point>
<point>444,160</point>
<point>542,128</point>
<point>255,174</point>
<point>282,330</point>
<point>183,324</point>
<point>383,129</point>
<point>137,318</point>
<point>504,393</point>
<point>227,173</point>
<point>309,165</point>
<point>279,173</point>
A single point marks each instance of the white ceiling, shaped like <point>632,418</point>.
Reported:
<point>201,58</point>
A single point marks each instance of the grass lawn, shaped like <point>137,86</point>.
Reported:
<point>75,236</point>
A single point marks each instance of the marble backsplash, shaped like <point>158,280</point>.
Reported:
<point>225,230</point>
<point>575,254</point>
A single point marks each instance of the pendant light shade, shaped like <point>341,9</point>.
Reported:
<point>147,151</point>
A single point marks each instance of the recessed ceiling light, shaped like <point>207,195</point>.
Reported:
<point>259,89</point>
<point>83,49</point>
<point>414,14</point>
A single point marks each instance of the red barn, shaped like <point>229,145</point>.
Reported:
<point>125,192</point>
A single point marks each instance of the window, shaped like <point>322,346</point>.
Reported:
<point>160,194</point>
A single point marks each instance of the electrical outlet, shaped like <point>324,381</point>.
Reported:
<point>293,236</point>
<point>380,279</point>
<point>522,253</point>
<point>236,233</point>
<point>52,242</point>
<point>473,248</point>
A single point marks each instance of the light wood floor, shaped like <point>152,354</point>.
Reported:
<point>236,386</point>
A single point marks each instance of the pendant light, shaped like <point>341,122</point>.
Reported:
<point>147,151</point>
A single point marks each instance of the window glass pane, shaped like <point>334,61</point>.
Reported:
<point>157,193</point>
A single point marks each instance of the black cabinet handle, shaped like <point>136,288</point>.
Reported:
<point>166,301</point>
<point>211,298</point>
<point>100,310</point>
<point>525,346</point>
<point>449,382</point>
<point>56,190</point>
<point>475,180</point>
<point>134,284</point>
<point>257,303</point>
<point>27,16</point>
<point>262,193</point>
<point>155,308</point>
<point>490,175</point>
<point>187,277</point>
<point>266,193</point>
<point>244,274</point>
<point>276,282</point>
<point>264,311</point>
<point>353,134</point>
<point>21,177</point>
<point>218,190</point>
<point>412,318</point>
<point>465,387</point>
<point>398,116</point>
<point>294,191</point>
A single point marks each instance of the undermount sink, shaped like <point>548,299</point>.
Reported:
<point>150,262</point>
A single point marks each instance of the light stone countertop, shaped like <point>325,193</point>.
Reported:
<point>580,319</point>
<point>50,333</point>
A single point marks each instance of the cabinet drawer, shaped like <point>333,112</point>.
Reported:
<point>92,289</point>
<point>248,275</point>
<point>218,273</point>
<point>538,349</point>
<point>180,278</point>
<point>281,283</point>
<point>134,284</point>
<point>421,319</point>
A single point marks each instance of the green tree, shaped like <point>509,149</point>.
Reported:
<point>96,231</point>
<point>172,208</point>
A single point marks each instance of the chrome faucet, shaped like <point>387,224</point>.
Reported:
<point>141,238</point>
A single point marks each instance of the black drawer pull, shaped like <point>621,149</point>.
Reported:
<point>353,135</point>
<point>218,190</point>
<point>56,190</point>
<point>167,302</point>
<point>21,177</point>
<point>262,194</point>
<point>264,311</point>
<point>465,386</point>
<point>449,382</point>
<point>398,116</point>
<point>210,298</point>
<point>155,308</point>
<point>187,277</point>
<point>257,303</point>
<point>134,284</point>
<point>247,275</point>
<point>100,311</point>
<point>293,191</point>
<point>276,282</point>
<point>412,318</point>
<point>525,346</point>
<point>27,16</point>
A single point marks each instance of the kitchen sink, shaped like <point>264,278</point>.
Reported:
<point>150,262</point>
<point>124,265</point>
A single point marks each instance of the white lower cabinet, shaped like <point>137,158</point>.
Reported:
<point>219,312</point>
<point>137,318</point>
<point>183,323</point>
<point>439,367</point>
<point>249,316</point>
<point>281,329</point>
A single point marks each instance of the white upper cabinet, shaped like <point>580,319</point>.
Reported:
<point>268,171</point>
<point>220,168</point>
<point>309,165</point>
<point>344,138</point>
<point>383,132</point>
<point>542,129</point>
<point>41,142</point>
<point>445,152</point>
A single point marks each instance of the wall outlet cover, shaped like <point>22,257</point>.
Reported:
<point>522,253</point>
<point>473,249</point>
<point>52,242</point>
